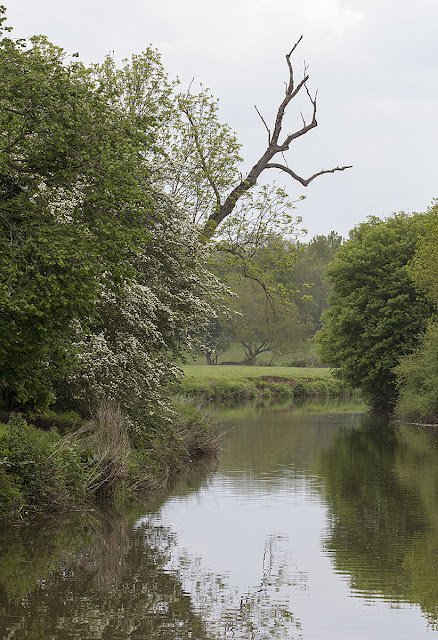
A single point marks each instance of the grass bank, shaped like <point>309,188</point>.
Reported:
<point>66,469</point>
<point>240,383</point>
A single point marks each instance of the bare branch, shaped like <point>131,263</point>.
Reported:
<point>264,122</point>
<point>290,87</point>
<point>304,181</point>
<point>274,146</point>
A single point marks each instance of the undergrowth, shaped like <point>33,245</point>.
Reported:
<point>263,388</point>
<point>45,472</point>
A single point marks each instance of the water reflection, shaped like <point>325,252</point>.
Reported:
<point>110,586</point>
<point>381,483</point>
<point>315,525</point>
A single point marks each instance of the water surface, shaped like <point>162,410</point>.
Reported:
<point>317,522</point>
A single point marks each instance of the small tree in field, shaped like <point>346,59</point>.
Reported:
<point>265,325</point>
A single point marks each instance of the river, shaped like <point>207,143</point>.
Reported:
<point>317,522</point>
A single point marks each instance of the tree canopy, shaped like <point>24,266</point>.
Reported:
<point>424,268</point>
<point>417,373</point>
<point>85,227</point>
<point>376,314</point>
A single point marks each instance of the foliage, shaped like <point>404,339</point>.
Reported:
<point>264,324</point>
<point>424,268</point>
<point>103,280</point>
<point>376,314</point>
<point>309,275</point>
<point>42,472</point>
<point>75,204</point>
<point>280,285</point>
<point>37,473</point>
<point>417,373</point>
<point>255,240</point>
<point>417,376</point>
<point>129,354</point>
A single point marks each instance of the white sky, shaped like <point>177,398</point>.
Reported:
<point>374,63</point>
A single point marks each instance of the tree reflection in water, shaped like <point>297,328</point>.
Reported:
<point>88,579</point>
<point>111,586</point>
<point>259,613</point>
<point>381,484</point>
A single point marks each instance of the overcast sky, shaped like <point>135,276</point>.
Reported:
<point>374,63</point>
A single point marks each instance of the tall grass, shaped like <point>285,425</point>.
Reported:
<point>105,449</point>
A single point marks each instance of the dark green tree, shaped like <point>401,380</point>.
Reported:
<point>74,204</point>
<point>418,372</point>
<point>424,269</point>
<point>418,380</point>
<point>376,314</point>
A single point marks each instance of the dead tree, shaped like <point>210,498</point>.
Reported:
<point>275,146</point>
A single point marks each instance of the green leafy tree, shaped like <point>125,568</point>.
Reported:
<point>376,313</point>
<point>101,274</point>
<point>418,372</point>
<point>424,267</point>
<point>75,204</point>
<point>140,331</point>
<point>418,380</point>
<point>309,275</point>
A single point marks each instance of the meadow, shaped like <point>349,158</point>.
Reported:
<point>236,372</point>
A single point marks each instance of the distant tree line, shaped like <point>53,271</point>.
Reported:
<point>280,292</point>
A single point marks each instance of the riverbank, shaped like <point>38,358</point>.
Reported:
<point>72,468</point>
<point>243,383</point>
<point>51,464</point>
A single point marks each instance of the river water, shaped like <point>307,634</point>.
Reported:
<point>318,522</point>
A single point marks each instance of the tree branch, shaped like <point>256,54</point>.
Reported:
<point>304,181</point>
<point>274,147</point>
<point>264,122</point>
<point>202,159</point>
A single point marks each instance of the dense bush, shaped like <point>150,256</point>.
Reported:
<point>418,381</point>
<point>37,474</point>
<point>42,472</point>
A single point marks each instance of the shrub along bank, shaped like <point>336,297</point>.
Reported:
<point>256,383</point>
<point>46,472</point>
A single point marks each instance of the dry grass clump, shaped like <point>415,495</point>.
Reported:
<point>105,446</point>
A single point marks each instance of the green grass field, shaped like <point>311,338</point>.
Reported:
<point>235,353</point>
<point>234,372</point>
<point>3,428</point>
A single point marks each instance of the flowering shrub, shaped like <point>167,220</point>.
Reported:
<point>129,354</point>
